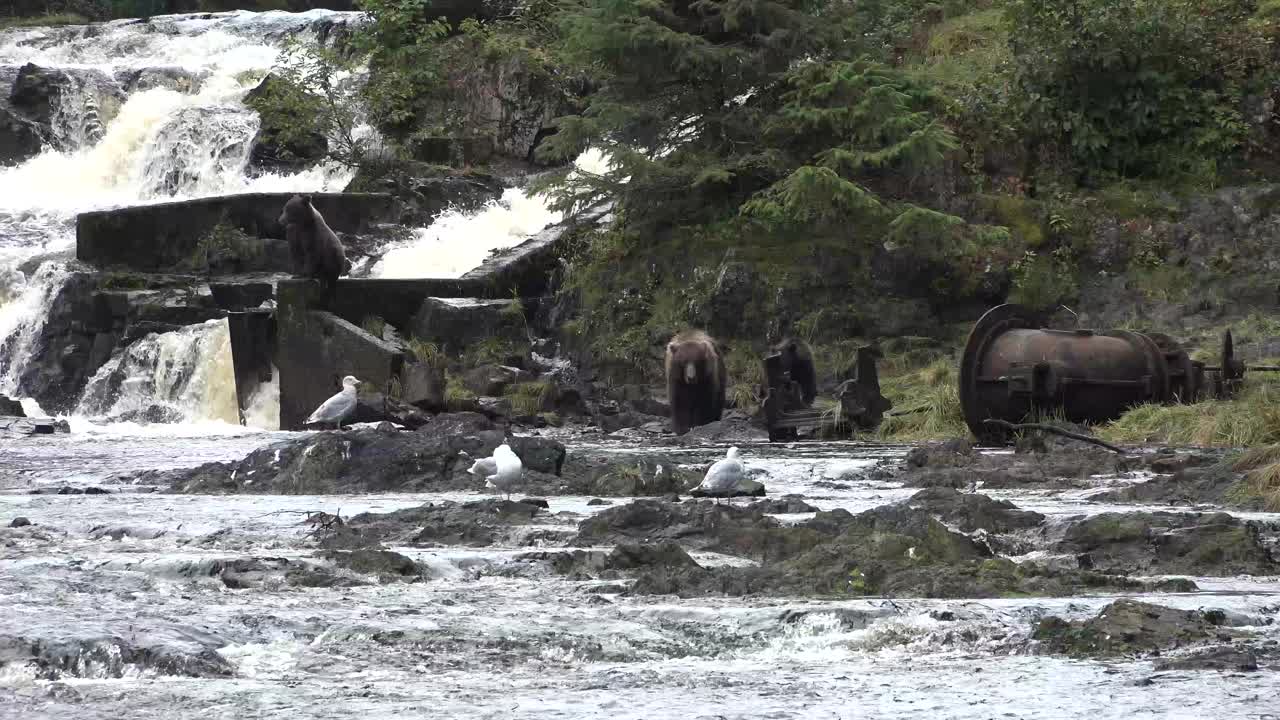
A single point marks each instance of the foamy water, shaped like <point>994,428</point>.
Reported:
<point>457,242</point>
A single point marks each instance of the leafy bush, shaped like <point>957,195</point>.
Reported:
<point>1137,87</point>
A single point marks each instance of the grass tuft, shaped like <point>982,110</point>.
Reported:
<point>929,401</point>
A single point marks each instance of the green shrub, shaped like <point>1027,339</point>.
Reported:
<point>1138,87</point>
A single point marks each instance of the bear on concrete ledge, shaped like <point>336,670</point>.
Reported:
<point>315,249</point>
<point>695,380</point>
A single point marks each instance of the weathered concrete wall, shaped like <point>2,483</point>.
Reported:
<point>155,238</point>
<point>253,350</point>
<point>316,349</point>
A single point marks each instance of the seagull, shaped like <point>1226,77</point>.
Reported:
<point>483,467</point>
<point>507,469</point>
<point>337,408</point>
<point>722,478</point>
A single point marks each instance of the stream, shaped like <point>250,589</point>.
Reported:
<point>114,589</point>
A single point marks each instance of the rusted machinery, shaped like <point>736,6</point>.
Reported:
<point>1013,367</point>
<point>861,404</point>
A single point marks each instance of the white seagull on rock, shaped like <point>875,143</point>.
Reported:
<point>723,477</point>
<point>337,408</point>
<point>507,469</point>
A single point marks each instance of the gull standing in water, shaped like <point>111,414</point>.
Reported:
<point>337,408</point>
<point>723,477</point>
<point>507,469</point>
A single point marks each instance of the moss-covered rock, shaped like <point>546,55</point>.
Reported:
<point>1215,544</point>
<point>1126,627</point>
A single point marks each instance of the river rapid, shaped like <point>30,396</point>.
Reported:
<point>113,589</point>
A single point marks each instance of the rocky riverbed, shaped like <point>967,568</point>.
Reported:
<point>326,574</point>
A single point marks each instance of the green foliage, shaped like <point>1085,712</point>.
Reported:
<point>426,352</point>
<point>311,94</point>
<point>1043,281</point>
<point>530,398</point>
<point>374,325</point>
<point>1138,87</point>
<point>926,404</point>
<point>53,20</point>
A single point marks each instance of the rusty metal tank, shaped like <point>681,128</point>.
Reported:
<point>1012,367</point>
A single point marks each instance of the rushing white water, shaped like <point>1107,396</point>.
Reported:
<point>184,375</point>
<point>457,242</point>
<point>171,124</point>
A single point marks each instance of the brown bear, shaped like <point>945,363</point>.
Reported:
<point>315,249</point>
<point>797,363</point>
<point>695,380</point>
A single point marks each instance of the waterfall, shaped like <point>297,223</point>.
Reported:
<point>457,242</point>
<point>177,128</point>
<point>180,376</point>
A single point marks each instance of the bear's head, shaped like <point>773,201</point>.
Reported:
<point>689,360</point>
<point>297,210</point>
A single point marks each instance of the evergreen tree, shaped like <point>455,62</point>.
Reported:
<point>714,107</point>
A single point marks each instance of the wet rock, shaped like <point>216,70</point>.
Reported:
<point>598,501</point>
<point>970,512</point>
<point>68,490</point>
<point>20,139</point>
<point>734,428</point>
<point>952,453</point>
<point>19,522</point>
<point>376,408</point>
<point>174,651</point>
<point>385,564</point>
<point>895,550</point>
<point>617,475</point>
<point>787,504</point>
<point>1194,485</point>
<point>245,573</point>
<point>1053,470</point>
<point>1126,627</point>
<point>494,379</point>
<point>119,532</point>
<point>435,457</point>
<point>650,555</point>
<point>1217,658</point>
<point>746,487</point>
<point>1215,544</point>
<point>475,524</point>
<point>11,408</point>
<point>15,427</point>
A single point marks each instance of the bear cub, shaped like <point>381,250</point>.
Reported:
<point>315,250</point>
<point>695,380</point>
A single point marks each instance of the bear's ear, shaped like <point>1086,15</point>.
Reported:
<point>306,199</point>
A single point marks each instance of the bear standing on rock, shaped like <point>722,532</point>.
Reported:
<point>797,363</point>
<point>314,248</point>
<point>695,380</point>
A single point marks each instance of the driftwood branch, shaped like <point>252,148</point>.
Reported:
<point>1056,431</point>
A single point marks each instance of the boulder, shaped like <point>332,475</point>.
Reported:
<point>615,475</point>
<point>456,323</point>
<point>385,564</point>
<point>1126,627</point>
<point>20,139</point>
<point>473,524</point>
<point>434,458</point>
<point>1226,658</point>
<point>494,379</point>
<point>19,522</point>
<point>971,511</point>
<point>11,408</point>
<point>1163,543</point>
